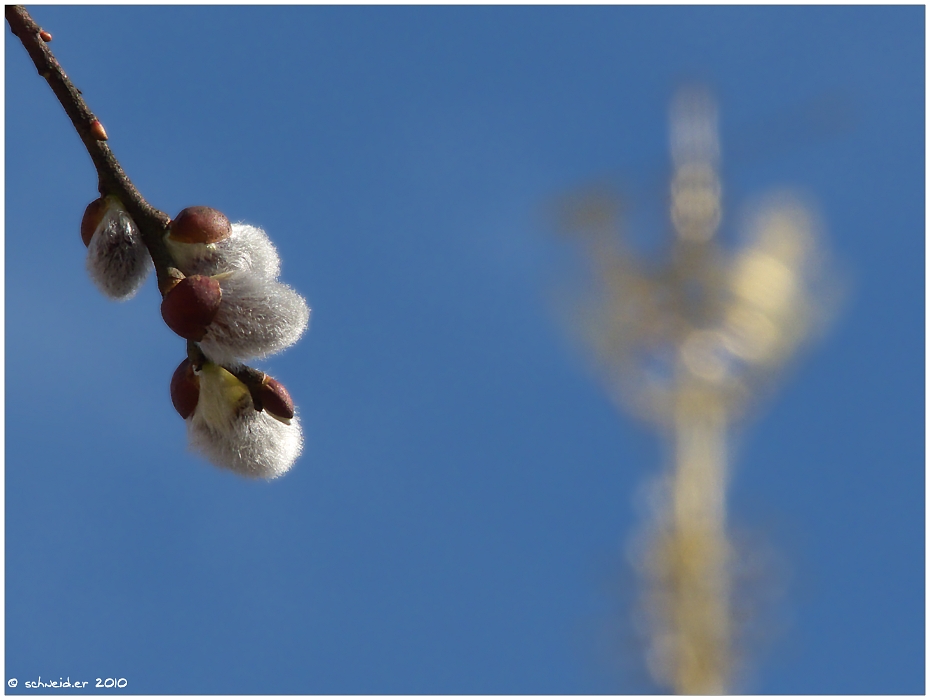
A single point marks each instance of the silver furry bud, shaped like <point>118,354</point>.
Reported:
<point>227,430</point>
<point>117,260</point>
<point>256,318</point>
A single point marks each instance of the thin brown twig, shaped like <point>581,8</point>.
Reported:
<point>112,180</point>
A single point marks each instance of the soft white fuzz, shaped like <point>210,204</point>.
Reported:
<point>228,431</point>
<point>246,248</point>
<point>117,259</point>
<point>257,317</point>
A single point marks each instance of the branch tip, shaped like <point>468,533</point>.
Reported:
<point>152,223</point>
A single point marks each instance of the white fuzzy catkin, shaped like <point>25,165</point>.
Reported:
<point>228,431</point>
<point>256,318</point>
<point>246,248</point>
<point>117,260</point>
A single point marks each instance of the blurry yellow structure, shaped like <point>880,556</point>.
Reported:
<point>684,344</point>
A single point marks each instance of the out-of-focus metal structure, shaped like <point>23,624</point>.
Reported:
<point>684,344</point>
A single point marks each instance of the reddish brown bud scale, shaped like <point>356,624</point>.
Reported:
<point>185,389</point>
<point>275,399</point>
<point>97,130</point>
<point>93,215</point>
<point>190,305</point>
<point>45,36</point>
<point>200,225</point>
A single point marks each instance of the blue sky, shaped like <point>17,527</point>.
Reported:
<point>458,521</point>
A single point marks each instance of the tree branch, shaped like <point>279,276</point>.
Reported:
<point>110,175</point>
<point>111,178</point>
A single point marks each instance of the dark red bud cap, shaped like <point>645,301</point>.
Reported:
<point>275,399</point>
<point>200,225</point>
<point>93,215</point>
<point>97,130</point>
<point>185,389</point>
<point>190,305</point>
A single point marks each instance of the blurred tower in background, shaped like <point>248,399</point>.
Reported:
<point>684,343</point>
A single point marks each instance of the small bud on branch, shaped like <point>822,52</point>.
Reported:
<point>117,260</point>
<point>97,130</point>
<point>226,427</point>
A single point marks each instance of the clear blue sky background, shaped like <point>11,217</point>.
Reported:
<point>458,521</point>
